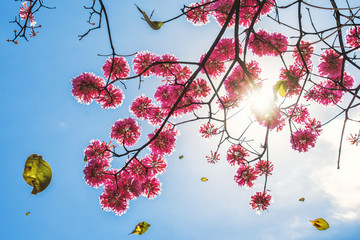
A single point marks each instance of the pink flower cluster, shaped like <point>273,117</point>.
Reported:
<point>236,155</point>
<point>164,143</point>
<point>138,177</point>
<point>260,201</point>
<point>117,66</point>
<point>25,13</point>
<point>208,130</point>
<point>221,9</point>
<point>305,138</point>
<point>126,132</point>
<point>263,43</point>
<point>353,37</point>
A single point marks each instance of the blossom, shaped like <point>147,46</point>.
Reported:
<point>126,132</point>
<point>272,117</point>
<point>228,102</point>
<point>207,130</point>
<point>198,15</point>
<point>25,13</point>
<point>95,174</point>
<point>245,175</point>
<point>353,37</point>
<point>199,88</point>
<point>214,66</point>
<point>225,49</point>
<point>291,77</point>
<point>239,81</point>
<point>299,114</point>
<point>136,169</point>
<point>98,151</point>
<point>141,107</point>
<point>164,142</point>
<point>155,164</point>
<point>303,139</point>
<point>114,199</point>
<point>354,139</point>
<point>264,167</point>
<point>306,49</point>
<point>152,188</point>
<point>156,116</point>
<point>331,64</point>
<point>142,61</point>
<point>111,97</point>
<point>260,201</point>
<point>236,154</point>
<point>213,158</point>
<point>220,10</point>
<point>118,66</point>
<point>314,126</point>
<point>86,87</point>
<point>168,65</point>
<point>263,43</point>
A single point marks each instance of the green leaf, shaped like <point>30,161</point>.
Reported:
<point>283,88</point>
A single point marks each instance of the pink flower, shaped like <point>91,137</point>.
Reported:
<point>353,37</point>
<point>86,87</point>
<point>182,74</point>
<point>213,158</point>
<point>314,126</point>
<point>303,139</point>
<point>292,77</point>
<point>200,15</point>
<point>114,199</point>
<point>238,83</point>
<point>260,201</point>
<point>199,88</point>
<point>141,107</point>
<point>228,102</point>
<point>245,175</point>
<point>130,187</point>
<point>155,164</point>
<point>236,154</point>
<point>126,132</point>
<point>95,174</point>
<point>111,97</point>
<point>331,64</point>
<point>225,49</point>
<point>25,13</point>
<point>306,49</point>
<point>323,95</point>
<point>208,130</point>
<point>120,68</point>
<point>354,139</point>
<point>214,67</point>
<point>98,151</point>
<point>156,116</point>
<point>300,114</point>
<point>164,143</point>
<point>168,67</point>
<point>263,43</point>
<point>152,188</point>
<point>142,61</point>
<point>273,117</point>
<point>264,167</point>
<point>136,169</point>
<point>220,10</point>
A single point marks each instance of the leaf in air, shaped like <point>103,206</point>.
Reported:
<point>37,173</point>
<point>320,223</point>
<point>204,179</point>
<point>141,228</point>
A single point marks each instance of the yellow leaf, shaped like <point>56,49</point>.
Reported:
<point>141,228</point>
<point>203,179</point>
<point>282,89</point>
<point>37,173</point>
<point>85,159</point>
<point>27,214</point>
<point>181,157</point>
<point>302,199</point>
<point>156,25</point>
<point>320,224</point>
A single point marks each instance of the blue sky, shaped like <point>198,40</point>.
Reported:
<point>39,115</point>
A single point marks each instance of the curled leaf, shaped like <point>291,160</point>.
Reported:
<point>141,228</point>
<point>302,199</point>
<point>204,179</point>
<point>320,223</point>
<point>27,214</point>
<point>181,156</point>
<point>37,173</point>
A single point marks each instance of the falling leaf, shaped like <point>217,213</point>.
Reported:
<point>37,173</point>
<point>27,214</point>
<point>141,228</point>
<point>85,159</point>
<point>181,157</point>
<point>320,224</point>
<point>204,179</point>
<point>302,199</point>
